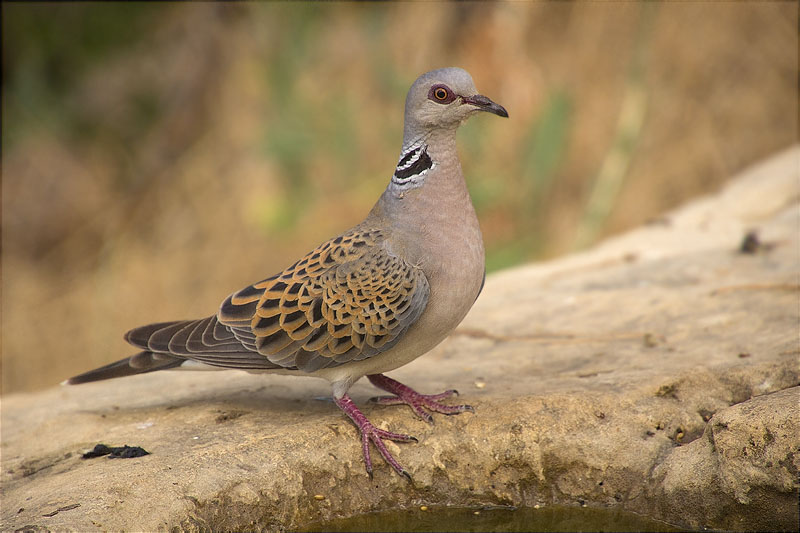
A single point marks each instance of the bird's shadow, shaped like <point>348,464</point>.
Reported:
<point>307,402</point>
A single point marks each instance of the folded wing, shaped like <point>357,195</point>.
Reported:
<point>347,300</point>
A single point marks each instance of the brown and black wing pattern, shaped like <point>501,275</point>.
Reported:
<point>347,300</point>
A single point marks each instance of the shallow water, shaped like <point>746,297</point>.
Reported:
<point>549,519</point>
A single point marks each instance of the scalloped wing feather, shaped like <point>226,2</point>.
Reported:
<point>347,300</point>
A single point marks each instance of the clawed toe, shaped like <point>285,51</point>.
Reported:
<point>376,435</point>
<point>370,433</point>
<point>446,394</point>
<point>396,437</point>
<point>456,409</point>
<point>419,403</point>
<point>386,400</point>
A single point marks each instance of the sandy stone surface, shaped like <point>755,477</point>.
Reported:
<point>657,372</point>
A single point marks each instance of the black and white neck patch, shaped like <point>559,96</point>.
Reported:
<point>411,169</point>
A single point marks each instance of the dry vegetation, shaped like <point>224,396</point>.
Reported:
<point>157,157</point>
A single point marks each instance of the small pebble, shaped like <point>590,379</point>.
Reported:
<point>536,506</point>
<point>319,497</point>
<point>476,513</point>
<point>423,507</point>
<point>480,384</point>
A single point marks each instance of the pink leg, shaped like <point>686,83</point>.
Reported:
<point>370,433</point>
<point>418,402</point>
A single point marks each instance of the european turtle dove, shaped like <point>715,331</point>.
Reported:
<point>366,302</point>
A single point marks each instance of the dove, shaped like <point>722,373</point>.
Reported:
<point>365,302</point>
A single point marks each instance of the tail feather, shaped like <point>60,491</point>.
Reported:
<point>143,336</point>
<point>140,363</point>
<point>170,344</point>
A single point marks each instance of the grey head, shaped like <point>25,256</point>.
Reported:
<point>441,100</point>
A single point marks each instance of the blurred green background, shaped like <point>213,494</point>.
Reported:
<point>158,156</point>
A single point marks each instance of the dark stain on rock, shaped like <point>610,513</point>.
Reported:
<point>651,340</point>
<point>668,391</point>
<point>750,243</point>
<point>64,508</point>
<point>34,466</point>
<point>31,528</point>
<point>115,452</point>
<point>705,414</point>
<point>225,416</point>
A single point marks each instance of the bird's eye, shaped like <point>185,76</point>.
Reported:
<point>441,94</point>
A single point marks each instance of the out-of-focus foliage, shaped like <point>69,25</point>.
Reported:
<point>158,156</point>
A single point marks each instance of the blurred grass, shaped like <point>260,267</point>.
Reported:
<point>47,62</point>
<point>541,153</point>
<point>609,180</point>
<point>157,157</point>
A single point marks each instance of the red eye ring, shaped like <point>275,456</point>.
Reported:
<point>441,94</point>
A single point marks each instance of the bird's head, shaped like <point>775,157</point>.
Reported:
<point>443,99</point>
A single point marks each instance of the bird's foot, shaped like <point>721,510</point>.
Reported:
<point>371,433</point>
<point>418,402</point>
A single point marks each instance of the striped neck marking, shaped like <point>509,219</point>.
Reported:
<point>411,169</point>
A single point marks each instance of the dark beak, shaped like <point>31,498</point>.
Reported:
<point>485,104</point>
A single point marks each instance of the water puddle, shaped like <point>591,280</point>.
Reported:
<point>547,519</point>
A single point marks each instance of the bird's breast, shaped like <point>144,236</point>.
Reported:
<point>454,266</point>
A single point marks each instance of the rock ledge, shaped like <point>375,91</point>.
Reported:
<point>657,373</point>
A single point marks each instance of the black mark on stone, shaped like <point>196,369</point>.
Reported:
<point>115,452</point>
